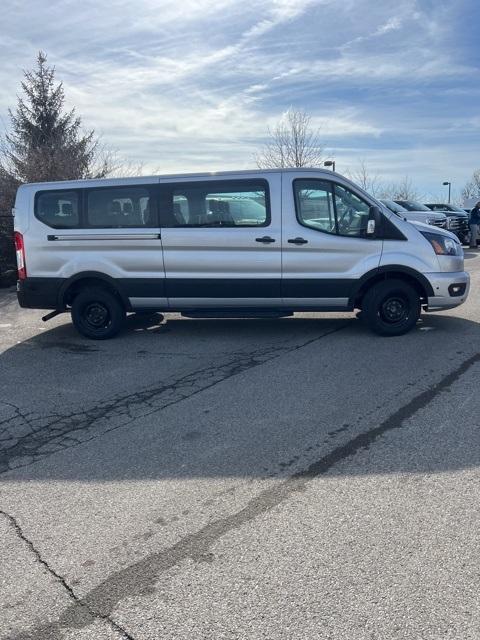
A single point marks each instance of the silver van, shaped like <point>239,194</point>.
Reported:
<point>233,244</point>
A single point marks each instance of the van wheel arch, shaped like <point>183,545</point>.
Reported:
<point>417,280</point>
<point>78,283</point>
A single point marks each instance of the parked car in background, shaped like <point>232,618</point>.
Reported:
<point>457,222</point>
<point>453,212</point>
<point>436,219</point>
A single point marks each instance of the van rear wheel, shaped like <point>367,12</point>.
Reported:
<point>97,314</point>
<point>391,308</point>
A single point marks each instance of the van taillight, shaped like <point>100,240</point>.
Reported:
<point>20,251</point>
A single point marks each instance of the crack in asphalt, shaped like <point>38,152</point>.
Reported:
<point>89,616</point>
<point>45,435</point>
<point>140,578</point>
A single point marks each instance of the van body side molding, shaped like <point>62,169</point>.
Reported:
<point>105,236</point>
<point>49,293</point>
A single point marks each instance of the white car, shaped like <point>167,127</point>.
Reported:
<point>435,218</point>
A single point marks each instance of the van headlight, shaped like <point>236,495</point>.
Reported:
<point>442,245</point>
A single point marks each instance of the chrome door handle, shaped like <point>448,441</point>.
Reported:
<point>265,239</point>
<point>297,241</point>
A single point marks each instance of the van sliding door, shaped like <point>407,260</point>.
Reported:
<point>221,241</point>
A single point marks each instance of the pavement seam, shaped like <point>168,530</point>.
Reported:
<point>60,579</point>
<point>139,578</point>
<point>395,421</point>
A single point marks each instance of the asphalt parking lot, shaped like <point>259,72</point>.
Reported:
<point>296,478</point>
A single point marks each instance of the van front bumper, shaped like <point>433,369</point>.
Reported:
<point>451,289</point>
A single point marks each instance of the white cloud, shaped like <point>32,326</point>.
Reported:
<point>391,25</point>
<point>279,12</point>
<point>194,84</point>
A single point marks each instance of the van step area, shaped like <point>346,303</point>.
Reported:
<point>236,313</point>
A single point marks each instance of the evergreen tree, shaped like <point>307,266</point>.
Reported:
<point>45,142</point>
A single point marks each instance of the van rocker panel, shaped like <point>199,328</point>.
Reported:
<point>48,293</point>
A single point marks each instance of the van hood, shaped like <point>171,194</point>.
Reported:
<point>432,229</point>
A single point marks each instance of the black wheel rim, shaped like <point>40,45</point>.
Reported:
<point>395,309</point>
<point>96,316</point>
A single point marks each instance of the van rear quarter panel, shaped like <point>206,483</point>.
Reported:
<point>115,257</point>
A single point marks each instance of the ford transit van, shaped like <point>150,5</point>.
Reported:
<point>247,243</point>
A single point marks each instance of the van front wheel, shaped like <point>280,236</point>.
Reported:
<point>391,308</point>
<point>97,314</point>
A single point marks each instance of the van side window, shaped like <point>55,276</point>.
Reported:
<point>352,213</point>
<point>180,209</point>
<point>314,204</point>
<point>119,207</point>
<point>58,209</point>
<point>217,204</point>
<point>330,208</point>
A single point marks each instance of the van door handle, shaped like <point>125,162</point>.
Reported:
<point>297,241</point>
<point>265,239</point>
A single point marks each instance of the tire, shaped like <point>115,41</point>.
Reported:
<point>391,308</point>
<point>97,313</point>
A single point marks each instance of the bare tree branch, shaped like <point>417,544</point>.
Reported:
<point>293,143</point>
<point>472,189</point>
<point>403,190</point>
<point>369,182</point>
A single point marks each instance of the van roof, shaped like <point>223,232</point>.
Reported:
<point>170,176</point>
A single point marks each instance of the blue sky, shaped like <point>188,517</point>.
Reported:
<point>184,85</point>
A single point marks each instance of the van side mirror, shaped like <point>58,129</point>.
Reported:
<point>374,222</point>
